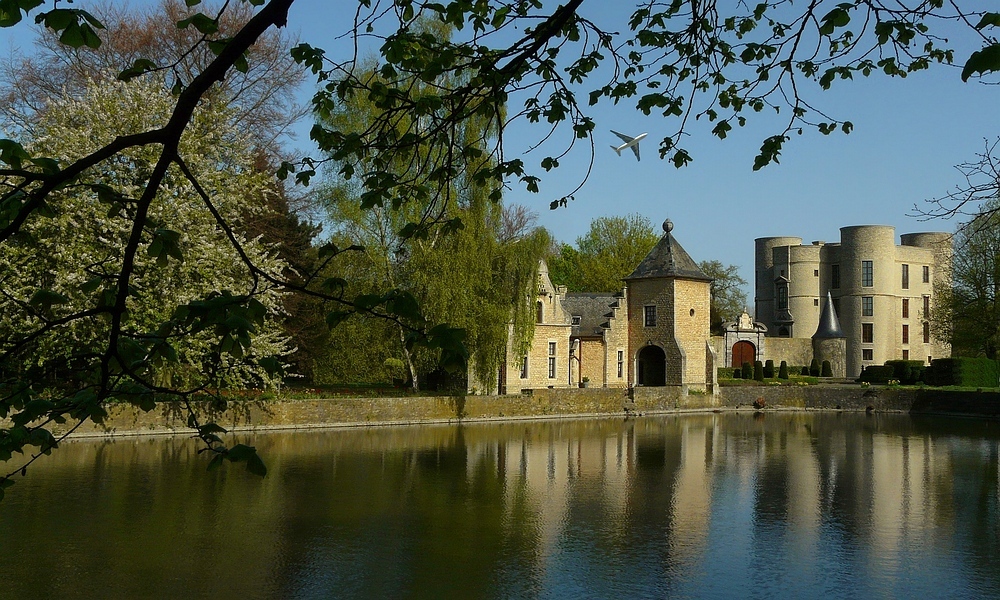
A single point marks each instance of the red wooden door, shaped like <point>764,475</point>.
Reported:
<point>743,351</point>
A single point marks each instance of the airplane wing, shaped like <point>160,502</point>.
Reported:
<point>636,150</point>
<point>624,137</point>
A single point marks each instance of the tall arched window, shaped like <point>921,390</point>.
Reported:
<point>540,312</point>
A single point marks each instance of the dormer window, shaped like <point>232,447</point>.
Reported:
<point>540,312</point>
<point>782,297</point>
<point>576,319</point>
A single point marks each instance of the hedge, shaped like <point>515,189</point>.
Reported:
<point>880,374</point>
<point>965,372</point>
<point>769,369</point>
<point>907,372</point>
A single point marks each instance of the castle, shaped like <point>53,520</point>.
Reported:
<point>859,302</point>
<point>654,332</point>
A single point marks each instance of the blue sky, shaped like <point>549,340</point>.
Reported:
<point>908,136</point>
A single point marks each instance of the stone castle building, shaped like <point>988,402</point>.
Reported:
<point>653,332</point>
<point>882,293</point>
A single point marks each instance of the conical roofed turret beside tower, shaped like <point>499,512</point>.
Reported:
<point>669,303</point>
<point>829,342</point>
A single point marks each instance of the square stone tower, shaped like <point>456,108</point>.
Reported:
<point>669,302</point>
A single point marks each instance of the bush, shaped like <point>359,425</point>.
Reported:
<point>965,372</point>
<point>827,370</point>
<point>804,372</point>
<point>737,372</point>
<point>783,370</point>
<point>880,374</point>
<point>747,371</point>
<point>769,369</point>
<point>908,372</point>
<point>814,367</point>
<point>758,371</point>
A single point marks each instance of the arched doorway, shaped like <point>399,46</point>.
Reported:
<point>743,351</point>
<point>652,366</point>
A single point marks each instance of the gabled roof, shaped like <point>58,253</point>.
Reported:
<point>592,308</point>
<point>668,259</point>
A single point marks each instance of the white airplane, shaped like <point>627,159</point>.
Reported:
<point>630,142</point>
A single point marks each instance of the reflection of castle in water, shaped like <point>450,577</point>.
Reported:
<point>679,484</point>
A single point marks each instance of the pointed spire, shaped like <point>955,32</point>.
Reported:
<point>829,325</point>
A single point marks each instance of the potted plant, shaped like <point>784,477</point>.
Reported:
<point>585,382</point>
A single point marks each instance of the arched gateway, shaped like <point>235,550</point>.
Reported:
<point>743,352</point>
<point>651,366</point>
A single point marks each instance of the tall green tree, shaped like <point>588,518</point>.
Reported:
<point>462,257</point>
<point>609,251</point>
<point>967,312</point>
<point>728,297</point>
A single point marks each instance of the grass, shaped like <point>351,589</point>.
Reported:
<point>771,381</point>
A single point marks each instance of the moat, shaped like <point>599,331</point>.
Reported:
<point>776,505</point>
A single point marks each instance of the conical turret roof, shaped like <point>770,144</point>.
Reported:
<point>668,259</point>
<point>829,325</point>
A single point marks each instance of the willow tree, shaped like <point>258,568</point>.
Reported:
<point>454,251</point>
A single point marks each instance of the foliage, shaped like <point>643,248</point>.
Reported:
<point>747,370</point>
<point>879,374</point>
<point>783,370</point>
<point>769,369</point>
<point>610,250</point>
<point>814,368</point>
<point>758,371</point>
<point>826,369</point>
<point>728,297</point>
<point>262,99</point>
<point>907,372</point>
<point>473,264</point>
<point>964,371</point>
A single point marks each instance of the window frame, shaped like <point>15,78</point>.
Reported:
<point>926,274</point>
<point>867,354</point>
<point>905,275</point>
<point>649,315</point>
<point>621,363</point>
<point>906,333</point>
<point>867,306</point>
<point>906,308</point>
<point>867,273</point>
<point>781,297</point>
<point>867,333</point>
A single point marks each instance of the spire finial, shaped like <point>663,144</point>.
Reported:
<point>668,226</point>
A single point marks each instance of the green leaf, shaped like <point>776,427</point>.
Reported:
<point>982,61</point>
<point>202,22</point>
<point>989,20</point>
<point>256,466</point>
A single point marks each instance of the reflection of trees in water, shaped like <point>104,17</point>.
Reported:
<point>504,509</point>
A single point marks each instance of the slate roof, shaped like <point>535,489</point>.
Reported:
<point>593,308</point>
<point>829,325</point>
<point>668,259</point>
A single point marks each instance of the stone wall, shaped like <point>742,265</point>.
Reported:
<point>545,403</point>
<point>794,351</point>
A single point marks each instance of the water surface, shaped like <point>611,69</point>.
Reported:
<point>782,505</point>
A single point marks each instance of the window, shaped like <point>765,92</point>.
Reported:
<point>867,274</point>
<point>906,334</point>
<point>782,297</point>
<point>927,336</point>
<point>552,360</point>
<point>927,274</point>
<point>906,308</point>
<point>815,272</point>
<point>835,277</point>
<point>524,368</point>
<point>927,307</point>
<point>906,277</point>
<point>576,319</point>
<point>815,301</point>
<point>782,272</point>
<point>867,354</point>
<point>867,333</point>
<point>649,314</point>
<point>906,355</point>
<point>540,312</point>
<point>621,363</point>
<point>867,306</point>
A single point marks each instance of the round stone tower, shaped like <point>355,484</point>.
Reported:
<point>863,246</point>
<point>764,274</point>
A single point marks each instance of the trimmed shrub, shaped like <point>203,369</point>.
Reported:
<point>804,372</point>
<point>758,371</point>
<point>966,372</point>
<point>880,374</point>
<point>908,372</point>
<point>783,370</point>
<point>747,371</point>
<point>769,369</point>
<point>737,372</point>
<point>814,367</point>
<point>827,370</point>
